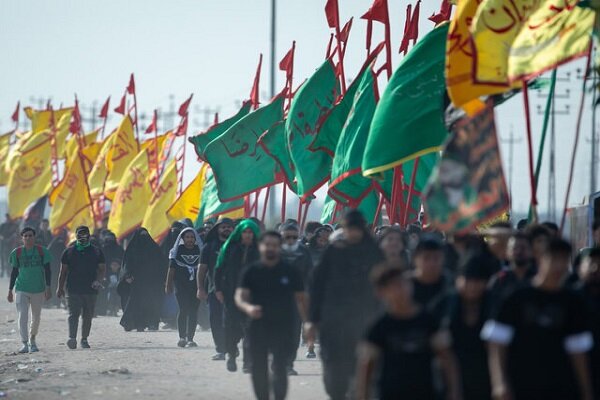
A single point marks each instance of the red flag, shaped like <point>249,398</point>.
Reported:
<point>131,86</point>
<point>254,93</point>
<point>15,115</point>
<point>411,27</point>
<point>121,108</point>
<point>183,108</point>
<point>182,128</point>
<point>152,127</point>
<point>104,109</point>
<point>332,13</point>
<point>75,125</point>
<point>443,15</point>
<point>377,12</point>
<point>345,32</point>
<point>287,63</point>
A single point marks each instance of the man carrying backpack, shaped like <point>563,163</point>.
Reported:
<point>82,269</point>
<point>30,278</point>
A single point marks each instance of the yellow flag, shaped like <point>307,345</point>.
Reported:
<point>187,205</point>
<point>156,220</point>
<point>122,151</point>
<point>4,149</point>
<point>40,119</point>
<point>72,144</point>
<point>30,178</point>
<point>459,58</point>
<point>516,40</point>
<point>99,172</point>
<point>133,193</point>
<point>71,197</point>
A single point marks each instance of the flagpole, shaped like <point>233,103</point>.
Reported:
<point>378,211</point>
<point>530,153</point>
<point>411,189</point>
<point>388,42</point>
<point>83,169</point>
<point>135,110</point>
<point>266,204</point>
<point>339,50</point>
<point>575,144</point>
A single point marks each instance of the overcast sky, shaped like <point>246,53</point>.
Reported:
<point>55,48</point>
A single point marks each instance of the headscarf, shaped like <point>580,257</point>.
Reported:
<point>175,250</point>
<point>142,252</point>
<point>236,236</point>
<point>213,233</point>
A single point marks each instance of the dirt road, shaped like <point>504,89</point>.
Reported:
<point>120,365</point>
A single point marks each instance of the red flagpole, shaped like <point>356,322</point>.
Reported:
<point>283,202</point>
<point>378,211</point>
<point>266,203</point>
<point>576,143</point>
<point>411,189</point>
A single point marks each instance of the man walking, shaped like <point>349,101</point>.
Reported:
<point>206,287</point>
<point>297,256</point>
<point>270,292</point>
<point>342,302</point>
<point>30,278</point>
<point>82,269</point>
<point>539,337</point>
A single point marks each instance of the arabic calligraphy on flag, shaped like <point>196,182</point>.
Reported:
<point>518,39</point>
<point>467,188</point>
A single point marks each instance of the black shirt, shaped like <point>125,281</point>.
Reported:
<point>405,346</point>
<point>186,266</point>
<point>540,329</point>
<point>209,255</point>
<point>433,297</point>
<point>274,289</point>
<point>83,268</point>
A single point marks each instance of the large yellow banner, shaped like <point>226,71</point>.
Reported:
<point>122,151</point>
<point>519,39</point>
<point>156,220</point>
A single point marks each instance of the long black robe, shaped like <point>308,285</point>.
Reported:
<point>142,298</point>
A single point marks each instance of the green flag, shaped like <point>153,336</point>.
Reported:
<point>329,133</point>
<point>409,119</point>
<point>274,143</point>
<point>240,165</point>
<point>202,140</point>
<point>311,104</point>
<point>347,184</point>
<point>210,205</point>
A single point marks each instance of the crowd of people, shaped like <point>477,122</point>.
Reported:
<point>508,313</point>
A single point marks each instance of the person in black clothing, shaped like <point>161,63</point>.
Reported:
<point>539,337</point>
<point>170,309</point>
<point>403,343</point>
<point>590,288</point>
<point>184,259</point>
<point>430,286</point>
<point>56,248</point>
<point>9,239</point>
<point>342,302</point>
<point>318,243</point>
<point>468,312</point>
<point>271,293</point>
<point>294,253</point>
<point>44,236</point>
<point>539,236</point>
<point>519,273</point>
<point>237,252</point>
<point>215,239</point>
<point>82,269</point>
<point>112,251</point>
<point>393,243</point>
<point>141,283</point>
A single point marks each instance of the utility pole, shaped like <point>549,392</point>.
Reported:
<point>552,145</point>
<point>511,141</point>
<point>594,136</point>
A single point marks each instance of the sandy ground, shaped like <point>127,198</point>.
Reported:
<point>124,365</point>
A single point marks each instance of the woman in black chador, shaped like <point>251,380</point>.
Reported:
<point>141,286</point>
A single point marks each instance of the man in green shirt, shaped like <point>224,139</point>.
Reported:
<point>30,278</point>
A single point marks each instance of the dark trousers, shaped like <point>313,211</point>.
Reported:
<point>262,341</point>
<point>215,309</point>
<point>337,377</point>
<point>80,305</point>
<point>235,330</point>
<point>187,319</point>
<point>295,340</point>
